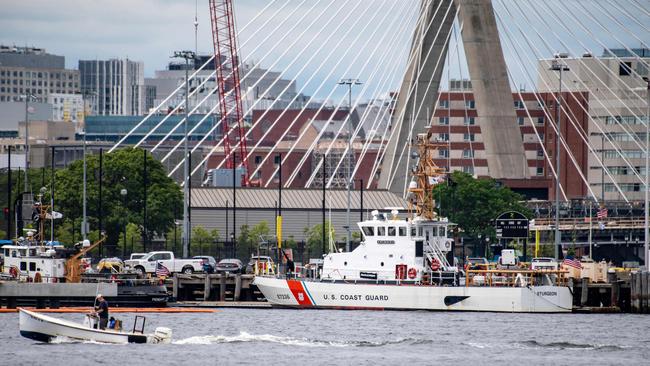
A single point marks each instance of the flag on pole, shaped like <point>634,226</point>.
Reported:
<point>162,271</point>
<point>572,263</point>
<point>602,213</point>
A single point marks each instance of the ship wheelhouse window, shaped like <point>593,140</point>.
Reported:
<point>23,266</point>
<point>420,231</point>
<point>413,231</point>
<point>368,230</point>
<point>32,266</point>
<point>402,231</point>
<point>381,231</point>
<point>391,231</point>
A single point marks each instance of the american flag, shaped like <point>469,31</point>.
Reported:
<point>161,271</point>
<point>572,263</point>
<point>602,213</point>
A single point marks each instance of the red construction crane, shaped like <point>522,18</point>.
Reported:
<point>224,38</point>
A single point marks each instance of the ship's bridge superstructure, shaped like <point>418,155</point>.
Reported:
<point>393,249</point>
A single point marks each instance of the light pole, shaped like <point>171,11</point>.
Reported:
<point>646,240</point>
<point>28,97</point>
<point>348,183</point>
<point>187,55</point>
<point>84,223</point>
<point>558,66</point>
<point>123,193</point>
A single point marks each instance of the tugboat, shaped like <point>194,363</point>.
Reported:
<point>402,264</point>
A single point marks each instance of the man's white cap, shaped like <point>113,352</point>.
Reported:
<point>98,296</point>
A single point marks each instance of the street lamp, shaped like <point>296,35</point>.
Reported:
<point>187,55</point>
<point>349,83</point>
<point>558,66</point>
<point>123,193</point>
<point>27,97</point>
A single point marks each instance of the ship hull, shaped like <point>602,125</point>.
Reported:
<point>337,295</point>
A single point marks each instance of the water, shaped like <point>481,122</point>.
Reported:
<point>329,337</point>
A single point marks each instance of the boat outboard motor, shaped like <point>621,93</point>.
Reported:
<point>162,335</point>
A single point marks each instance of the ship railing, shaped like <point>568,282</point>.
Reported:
<point>515,278</point>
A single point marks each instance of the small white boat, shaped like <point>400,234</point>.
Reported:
<point>45,328</point>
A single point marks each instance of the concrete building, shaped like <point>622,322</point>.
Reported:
<point>617,116</point>
<point>11,113</point>
<point>113,87</point>
<point>261,89</point>
<point>29,70</point>
<point>456,122</point>
<point>67,107</point>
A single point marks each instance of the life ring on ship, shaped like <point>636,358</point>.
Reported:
<point>435,265</point>
<point>13,272</point>
<point>412,273</point>
<point>38,278</point>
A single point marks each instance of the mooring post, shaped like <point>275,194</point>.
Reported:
<point>237,286</point>
<point>222,287</point>
<point>206,287</point>
<point>175,287</point>
<point>584,293</point>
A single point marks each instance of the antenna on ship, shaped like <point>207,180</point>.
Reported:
<point>426,175</point>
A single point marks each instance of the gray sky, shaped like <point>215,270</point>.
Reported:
<point>150,30</point>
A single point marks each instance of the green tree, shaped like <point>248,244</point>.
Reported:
<point>202,241</point>
<point>473,203</point>
<point>123,169</point>
<point>244,243</point>
<point>133,240</point>
<point>315,236</point>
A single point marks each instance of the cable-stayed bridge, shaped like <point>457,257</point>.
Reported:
<point>481,76</point>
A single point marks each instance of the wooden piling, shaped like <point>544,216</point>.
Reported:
<point>237,286</point>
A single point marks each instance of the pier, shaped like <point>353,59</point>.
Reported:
<point>224,288</point>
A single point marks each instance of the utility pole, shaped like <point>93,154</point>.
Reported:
<point>558,66</point>
<point>9,204</point>
<point>348,183</point>
<point>52,199</point>
<point>28,96</point>
<point>646,230</point>
<point>187,55</point>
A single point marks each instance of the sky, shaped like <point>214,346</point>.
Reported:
<point>315,42</point>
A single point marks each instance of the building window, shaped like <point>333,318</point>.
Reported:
<point>540,120</point>
<point>443,153</point>
<point>444,104</point>
<point>443,120</point>
<point>540,171</point>
<point>469,104</point>
<point>258,159</point>
<point>276,159</point>
<point>540,153</point>
<point>468,137</point>
<point>468,169</point>
<point>519,104</point>
<point>467,153</point>
<point>625,68</point>
<point>520,121</point>
<point>443,136</point>
<point>469,121</point>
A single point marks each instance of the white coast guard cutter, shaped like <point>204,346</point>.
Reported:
<point>402,264</point>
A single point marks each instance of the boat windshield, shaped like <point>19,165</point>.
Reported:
<point>368,230</point>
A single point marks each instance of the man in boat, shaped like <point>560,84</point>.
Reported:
<point>101,310</point>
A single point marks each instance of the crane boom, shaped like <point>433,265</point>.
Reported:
<point>224,39</point>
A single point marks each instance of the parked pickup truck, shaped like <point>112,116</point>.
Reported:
<point>148,263</point>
